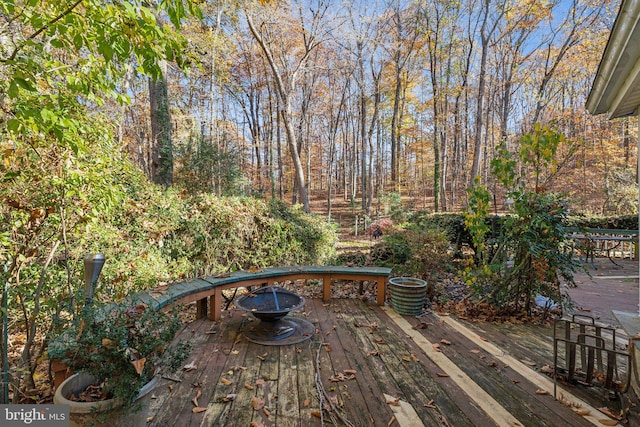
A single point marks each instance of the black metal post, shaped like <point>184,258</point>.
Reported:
<point>93,264</point>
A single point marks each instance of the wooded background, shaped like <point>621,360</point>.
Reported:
<point>318,99</point>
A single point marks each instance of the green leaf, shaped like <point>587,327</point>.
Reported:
<point>8,6</point>
<point>78,41</point>
<point>48,115</point>
<point>24,83</point>
<point>106,50</point>
<point>14,90</point>
<point>14,125</point>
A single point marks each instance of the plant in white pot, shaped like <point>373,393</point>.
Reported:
<point>115,350</point>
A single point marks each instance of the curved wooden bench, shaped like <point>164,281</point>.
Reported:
<point>207,292</point>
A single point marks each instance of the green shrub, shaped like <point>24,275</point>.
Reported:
<point>624,222</point>
<point>414,251</point>
<point>528,258</point>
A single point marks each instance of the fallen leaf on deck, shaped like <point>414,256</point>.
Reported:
<point>608,422</point>
<point>195,399</point>
<point>474,351</point>
<point>198,410</point>
<point>546,369</point>
<point>190,366</point>
<point>380,341</point>
<point>429,405</point>
<point>234,352</point>
<point>394,402</point>
<point>528,362</point>
<point>339,377</point>
<point>266,411</point>
<point>139,365</point>
<point>445,342</point>
<point>582,412</point>
<point>441,375</point>
<point>422,325</point>
<point>257,403</point>
<point>436,347</point>
<point>249,387</point>
<point>315,413</point>
<point>230,397</point>
<point>350,371</point>
<point>542,392</point>
<point>260,382</point>
<point>256,424</point>
<point>392,420</point>
<point>327,347</point>
<point>608,412</point>
<point>306,403</point>
<point>226,381</point>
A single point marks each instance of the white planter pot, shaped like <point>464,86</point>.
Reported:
<point>105,413</point>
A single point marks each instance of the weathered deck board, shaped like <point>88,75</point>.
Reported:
<point>347,332</point>
<point>342,351</point>
<point>209,352</point>
<point>416,377</point>
<point>510,389</point>
<point>307,393</point>
<point>535,343</point>
<point>223,374</point>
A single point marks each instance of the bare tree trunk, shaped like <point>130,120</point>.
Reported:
<point>477,140</point>
<point>395,149</point>
<point>162,149</point>
<point>286,114</point>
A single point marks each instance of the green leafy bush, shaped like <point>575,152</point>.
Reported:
<point>623,222</point>
<point>57,212</point>
<point>122,346</point>
<point>414,251</point>
<point>528,257</point>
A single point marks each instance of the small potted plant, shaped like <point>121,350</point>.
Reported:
<point>115,351</point>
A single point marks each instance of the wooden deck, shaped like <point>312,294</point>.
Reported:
<point>376,369</point>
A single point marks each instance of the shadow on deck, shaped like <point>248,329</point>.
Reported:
<point>374,368</point>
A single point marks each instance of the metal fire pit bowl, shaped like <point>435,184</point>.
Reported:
<point>271,304</point>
